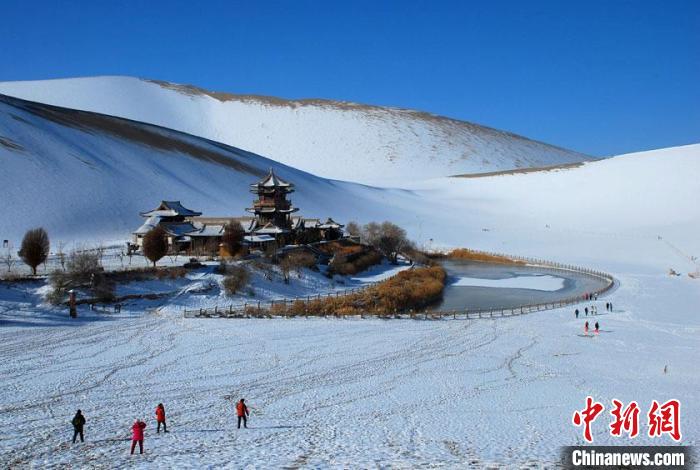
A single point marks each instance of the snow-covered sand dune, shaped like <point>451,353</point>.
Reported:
<point>340,140</point>
<point>343,393</point>
<point>87,176</point>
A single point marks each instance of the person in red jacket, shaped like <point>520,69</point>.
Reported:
<point>137,435</point>
<point>242,412</point>
<point>160,418</point>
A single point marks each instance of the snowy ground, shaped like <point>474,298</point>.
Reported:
<point>339,393</point>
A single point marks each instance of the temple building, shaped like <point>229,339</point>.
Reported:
<point>271,225</point>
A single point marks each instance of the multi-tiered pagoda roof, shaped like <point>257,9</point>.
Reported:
<point>272,208</point>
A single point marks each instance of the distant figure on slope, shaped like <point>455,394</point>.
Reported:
<point>607,306</point>
<point>242,413</point>
<point>160,418</point>
<point>596,328</point>
<point>611,307</point>
<point>78,423</point>
<point>585,328</point>
<point>586,310</point>
<point>137,435</point>
<point>576,313</point>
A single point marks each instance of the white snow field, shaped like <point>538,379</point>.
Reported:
<point>340,140</point>
<point>537,282</point>
<point>342,393</point>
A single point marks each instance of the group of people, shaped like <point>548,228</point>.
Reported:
<point>137,429</point>
<point>595,331</point>
<point>593,310</point>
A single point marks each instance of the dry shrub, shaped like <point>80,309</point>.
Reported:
<point>147,274</point>
<point>341,247</point>
<point>410,289</point>
<point>355,263</point>
<point>471,255</point>
<point>296,261</point>
<point>174,272</point>
<point>236,279</point>
<point>265,267</point>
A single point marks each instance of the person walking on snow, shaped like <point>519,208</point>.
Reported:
<point>160,418</point>
<point>78,423</point>
<point>576,313</point>
<point>137,435</point>
<point>596,327</point>
<point>586,310</point>
<point>242,412</point>
<point>585,328</point>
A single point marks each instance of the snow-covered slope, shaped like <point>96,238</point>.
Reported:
<point>87,176</point>
<point>339,140</point>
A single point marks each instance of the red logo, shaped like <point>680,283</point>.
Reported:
<point>662,418</point>
<point>665,419</point>
<point>587,416</point>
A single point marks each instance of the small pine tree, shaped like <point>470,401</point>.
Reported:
<point>155,244</point>
<point>35,248</point>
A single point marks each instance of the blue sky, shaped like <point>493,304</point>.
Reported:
<point>601,77</point>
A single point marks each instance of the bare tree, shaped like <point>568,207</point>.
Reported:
<point>371,233</point>
<point>155,244</point>
<point>388,238</point>
<point>8,258</point>
<point>353,228</point>
<point>35,248</point>
<point>121,256</point>
<point>232,238</point>
<point>61,254</point>
<point>286,268</point>
<point>83,269</point>
<point>100,250</point>
<point>295,262</point>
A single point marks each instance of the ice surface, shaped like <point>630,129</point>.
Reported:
<point>545,282</point>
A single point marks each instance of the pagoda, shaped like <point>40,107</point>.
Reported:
<point>272,209</point>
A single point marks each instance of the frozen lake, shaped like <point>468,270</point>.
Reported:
<point>475,285</point>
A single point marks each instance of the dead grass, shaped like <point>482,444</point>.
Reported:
<point>471,255</point>
<point>408,290</point>
<point>145,274</point>
<point>563,166</point>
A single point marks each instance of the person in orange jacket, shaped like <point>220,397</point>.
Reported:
<point>137,435</point>
<point>242,412</point>
<point>160,418</point>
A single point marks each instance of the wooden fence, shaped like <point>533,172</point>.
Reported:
<point>241,310</point>
<point>262,309</point>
